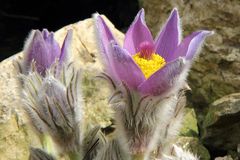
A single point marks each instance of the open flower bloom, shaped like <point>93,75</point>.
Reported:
<point>149,66</point>
<point>42,48</point>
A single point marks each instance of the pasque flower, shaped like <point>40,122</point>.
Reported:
<point>146,65</point>
<point>44,50</point>
<point>148,78</point>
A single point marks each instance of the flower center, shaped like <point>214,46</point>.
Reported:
<point>146,50</point>
<point>148,61</point>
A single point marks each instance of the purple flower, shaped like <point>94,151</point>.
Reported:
<point>42,48</point>
<point>149,66</point>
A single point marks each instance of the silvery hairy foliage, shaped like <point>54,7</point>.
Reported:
<point>39,154</point>
<point>137,118</point>
<point>178,153</point>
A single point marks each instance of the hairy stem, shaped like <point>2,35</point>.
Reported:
<point>138,156</point>
<point>48,144</point>
<point>74,156</point>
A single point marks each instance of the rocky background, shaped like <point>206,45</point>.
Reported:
<point>211,127</point>
<point>215,76</point>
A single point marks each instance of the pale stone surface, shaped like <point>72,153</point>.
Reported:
<point>15,135</point>
<point>224,158</point>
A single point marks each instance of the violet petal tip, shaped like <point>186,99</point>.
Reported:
<point>65,47</point>
<point>45,33</point>
<point>170,36</point>
<point>175,10</point>
<point>137,33</point>
<point>142,15</point>
<point>196,43</point>
<point>96,16</point>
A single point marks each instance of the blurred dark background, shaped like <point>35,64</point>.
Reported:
<point>18,17</point>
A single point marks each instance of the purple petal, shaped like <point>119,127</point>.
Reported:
<point>104,35</point>
<point>169,38</point>
<point>66,46</point>
<point>137,33</point>
<point>162,80</point>
<point>105,38</point>
<point>189,46</point>
<point>125,68</point>
<point>53,47</point>
<point>38,51</point>
<point>45,34</point>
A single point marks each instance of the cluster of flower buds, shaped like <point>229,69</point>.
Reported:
<point>148,84</point>
<point>52,98</point>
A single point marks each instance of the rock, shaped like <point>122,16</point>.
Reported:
<point>221,126</point>
<point>216,72</point>
<point>194,146</point>
<point>233,154</point>
<point>224,158</point>
<point>189,125</point>
<point>15,134</point>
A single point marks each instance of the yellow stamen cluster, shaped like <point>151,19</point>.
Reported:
<point>149,67</point>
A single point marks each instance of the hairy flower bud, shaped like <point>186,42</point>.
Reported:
<point>42,49</point>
